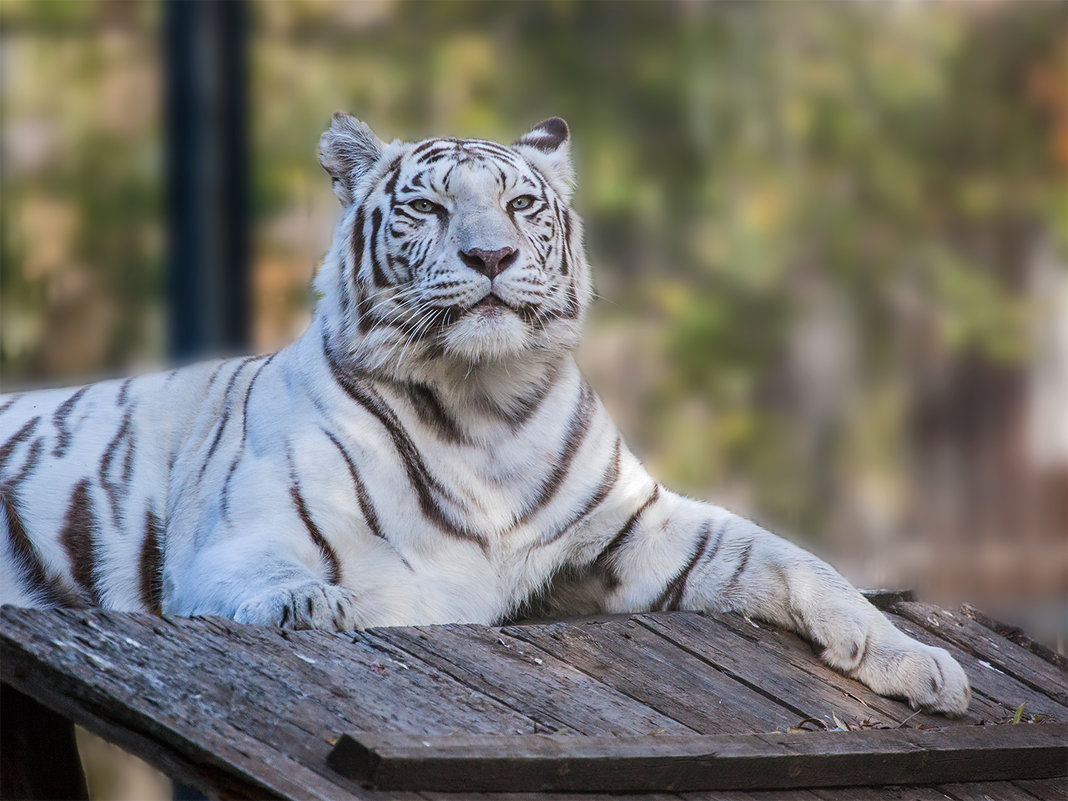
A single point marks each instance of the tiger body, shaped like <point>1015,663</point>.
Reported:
<point>426,452</point>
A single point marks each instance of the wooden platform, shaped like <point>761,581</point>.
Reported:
<point>243,711</point>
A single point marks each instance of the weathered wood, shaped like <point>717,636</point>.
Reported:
<point>910,793</point>
<point>1015,634</point>
<point>75,675</point>
<point>886,793</point>
<point>552,692</point>
<point>347,677</point>
<point>1045,789</point>
<point>1008,657</point>
<point>626,656</point>
<point>702,762</point>
<point>985,791</point>
<point>243,711</point>
<point>38,754</point>
<point>884,599</point>
<point>781,665</point>
<point>798,655</point>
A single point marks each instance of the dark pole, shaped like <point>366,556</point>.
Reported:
<point>206,77</point>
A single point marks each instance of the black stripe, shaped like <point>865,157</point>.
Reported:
<point>214,374</point>
<point>109,487</point>
<point>376,266</point>
<point>366,320</point>
<point>363,498</point>
<point>36,578</point>
<point>224,504</point>
<point>432,412</point>
<point>743,562</point>
<point>225,417</point>
<point>425,485</point>
<point>394,174</point>
<point>358,244</point>
<point>429,143</point>
<point>16,439</point>
<point>151,565</point>
<point>608,481</point>
<point>565,255</point>
<point>325,549</point>
<point>603,562</point>
<point>529,406</point>
<point>123,392</point>
<point>578,426</point>
<point>59,420</point>
<point>77,539</point>
<point>671,597</point>
<point>11,401</point>
<point>28,466</point>
<point>127,462</point>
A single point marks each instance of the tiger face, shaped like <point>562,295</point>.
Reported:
<point>453,250</point>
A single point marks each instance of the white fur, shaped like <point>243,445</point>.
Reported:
<point>498,484</point>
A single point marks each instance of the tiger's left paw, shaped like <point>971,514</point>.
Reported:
<point>927,677</point>
<point>312,605</point>
<point>860,642</point>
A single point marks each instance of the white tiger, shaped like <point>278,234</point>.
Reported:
<point>426,452</point>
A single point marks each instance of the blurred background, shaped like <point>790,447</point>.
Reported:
<point>830,239</point>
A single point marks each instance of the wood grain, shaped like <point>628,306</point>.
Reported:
<point>719,762</point>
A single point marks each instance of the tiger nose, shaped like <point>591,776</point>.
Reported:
<point>490,263</point>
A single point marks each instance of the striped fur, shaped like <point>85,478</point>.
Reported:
<point>426,452</point>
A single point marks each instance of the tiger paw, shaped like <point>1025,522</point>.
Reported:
<point>894,664</point>
<point>925,676</point>
<point>861,643</point>
<point>307,606</point>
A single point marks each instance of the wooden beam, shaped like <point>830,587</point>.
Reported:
<point>508,763</point>
<point>884,599</point>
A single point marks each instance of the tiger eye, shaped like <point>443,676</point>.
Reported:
<point>423,205</point>
<point>522,202</point>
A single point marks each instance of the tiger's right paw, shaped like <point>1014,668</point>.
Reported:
<point>313,605</point>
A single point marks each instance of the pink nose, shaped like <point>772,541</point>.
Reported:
<point>490,263</point>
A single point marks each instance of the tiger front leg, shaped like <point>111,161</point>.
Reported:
<point>675,553</point>
<point>262,583</point>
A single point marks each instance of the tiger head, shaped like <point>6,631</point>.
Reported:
<point>454,252</point>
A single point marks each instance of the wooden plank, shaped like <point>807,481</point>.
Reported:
<point>786,656</point>
<point>554,694</point>
<point>628,657</point>
<point>72,685</point>
<point>702,762</point>
<point>884,599</point>
<point>1046,789</point>
<point>990,684</point>
<point>793,673</point>
<point>909,793</point>
<point>985,791</point>
<point>129,679</point>
<point>1008,657</point>
<point>752,795</point>
<point>355,679</point>
<point>1016,635</point>
<point>233,680</point>
<point>38,753</point>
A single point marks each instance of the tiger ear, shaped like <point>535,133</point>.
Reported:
<point>548,147</point>
<point>347,150</point>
